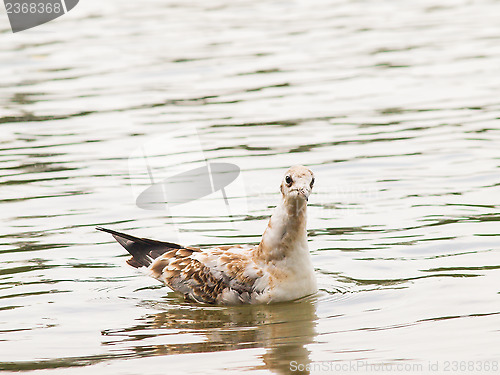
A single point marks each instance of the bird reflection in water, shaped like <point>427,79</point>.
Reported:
<point>283,329</point>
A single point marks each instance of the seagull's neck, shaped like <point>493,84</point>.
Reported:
<point>286,233</point>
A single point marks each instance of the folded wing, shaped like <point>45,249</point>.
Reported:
<point>220,275</point>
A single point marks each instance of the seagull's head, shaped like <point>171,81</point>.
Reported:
<point>297,184</point>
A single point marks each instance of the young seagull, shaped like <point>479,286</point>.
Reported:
<point>278,269</point>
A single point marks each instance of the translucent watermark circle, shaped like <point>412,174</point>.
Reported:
<point>26,14</point>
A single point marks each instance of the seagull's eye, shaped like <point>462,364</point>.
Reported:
<point>312,182</point>
<point>288,180</point>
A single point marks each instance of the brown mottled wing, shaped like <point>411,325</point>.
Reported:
<point>214,276</point>
<point>208,277</point>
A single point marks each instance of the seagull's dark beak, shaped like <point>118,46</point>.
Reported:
<point>304,192</point>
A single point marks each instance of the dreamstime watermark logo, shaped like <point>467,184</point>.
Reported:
<point>187,186</point>
<point>172,173</point>
<point>26,14</point>
<point>167,190</point>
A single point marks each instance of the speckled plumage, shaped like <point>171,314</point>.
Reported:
<point>278,269</point>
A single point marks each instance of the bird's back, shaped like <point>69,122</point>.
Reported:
<point>219,275</point>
